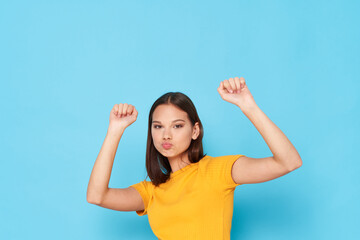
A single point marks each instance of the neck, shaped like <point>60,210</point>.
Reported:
<point>179,162</point>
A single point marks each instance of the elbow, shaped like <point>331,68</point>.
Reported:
<point>93,199</point>
<point>297,165</point>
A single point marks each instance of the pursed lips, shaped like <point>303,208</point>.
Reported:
<point>167,145</point>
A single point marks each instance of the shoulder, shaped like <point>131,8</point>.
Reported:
<point>219,161</point>
<point>217,170</point>
<point>144,186</point>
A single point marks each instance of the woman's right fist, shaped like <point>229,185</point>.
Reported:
<point>122,115</point>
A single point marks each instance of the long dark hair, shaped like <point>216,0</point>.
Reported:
<point>157,166</point>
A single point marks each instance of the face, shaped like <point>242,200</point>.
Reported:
<point>171,124</point>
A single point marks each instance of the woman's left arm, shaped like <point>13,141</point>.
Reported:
<point>281,147</point>
<point>236,91</point>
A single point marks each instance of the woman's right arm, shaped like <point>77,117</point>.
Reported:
<point>98,192</point>
<point>100,175</point>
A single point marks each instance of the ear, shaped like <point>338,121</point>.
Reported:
<point>196,131</point>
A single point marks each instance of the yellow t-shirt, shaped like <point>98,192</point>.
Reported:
<point>195,203</point>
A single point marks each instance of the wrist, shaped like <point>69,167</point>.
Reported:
<point>249,108</point>
<point>115,131</point>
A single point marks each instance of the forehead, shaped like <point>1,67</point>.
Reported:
<point>167,112</point>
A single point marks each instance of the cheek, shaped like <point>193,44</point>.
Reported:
<point>155,136</point>
<point>185,137</point>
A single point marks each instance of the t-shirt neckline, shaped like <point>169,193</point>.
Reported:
<point>182,170</point>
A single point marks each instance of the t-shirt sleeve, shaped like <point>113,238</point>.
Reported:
<point>143,188</point>
<point>218,170</point>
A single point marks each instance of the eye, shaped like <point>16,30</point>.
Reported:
<point>177,126</point>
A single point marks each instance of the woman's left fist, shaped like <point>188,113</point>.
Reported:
<point>235,90</point>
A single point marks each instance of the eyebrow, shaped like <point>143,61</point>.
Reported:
<point>172,121</point>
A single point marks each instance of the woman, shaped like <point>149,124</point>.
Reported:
<point>190,195</point>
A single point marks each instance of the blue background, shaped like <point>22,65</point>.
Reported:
<point>64,64</point>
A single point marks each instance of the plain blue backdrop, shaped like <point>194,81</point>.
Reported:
<point>64,64</point>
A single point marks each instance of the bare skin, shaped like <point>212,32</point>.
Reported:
<point>167,127</point>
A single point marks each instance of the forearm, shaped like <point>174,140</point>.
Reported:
<point>100,175</point>
<point>280,146</point>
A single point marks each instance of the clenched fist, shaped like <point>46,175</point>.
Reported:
<point>122,115</point>
<point>236,91</point>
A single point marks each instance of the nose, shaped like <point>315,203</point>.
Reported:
<point>166,134</point>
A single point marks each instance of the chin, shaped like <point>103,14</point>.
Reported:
<point>165,154</point>
<point>168,154</point>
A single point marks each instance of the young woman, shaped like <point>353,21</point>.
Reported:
<point>189,195</point>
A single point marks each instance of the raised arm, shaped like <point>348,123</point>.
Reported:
<point>121,116</point>
<point>285,157</point>
<point>100,175</point>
